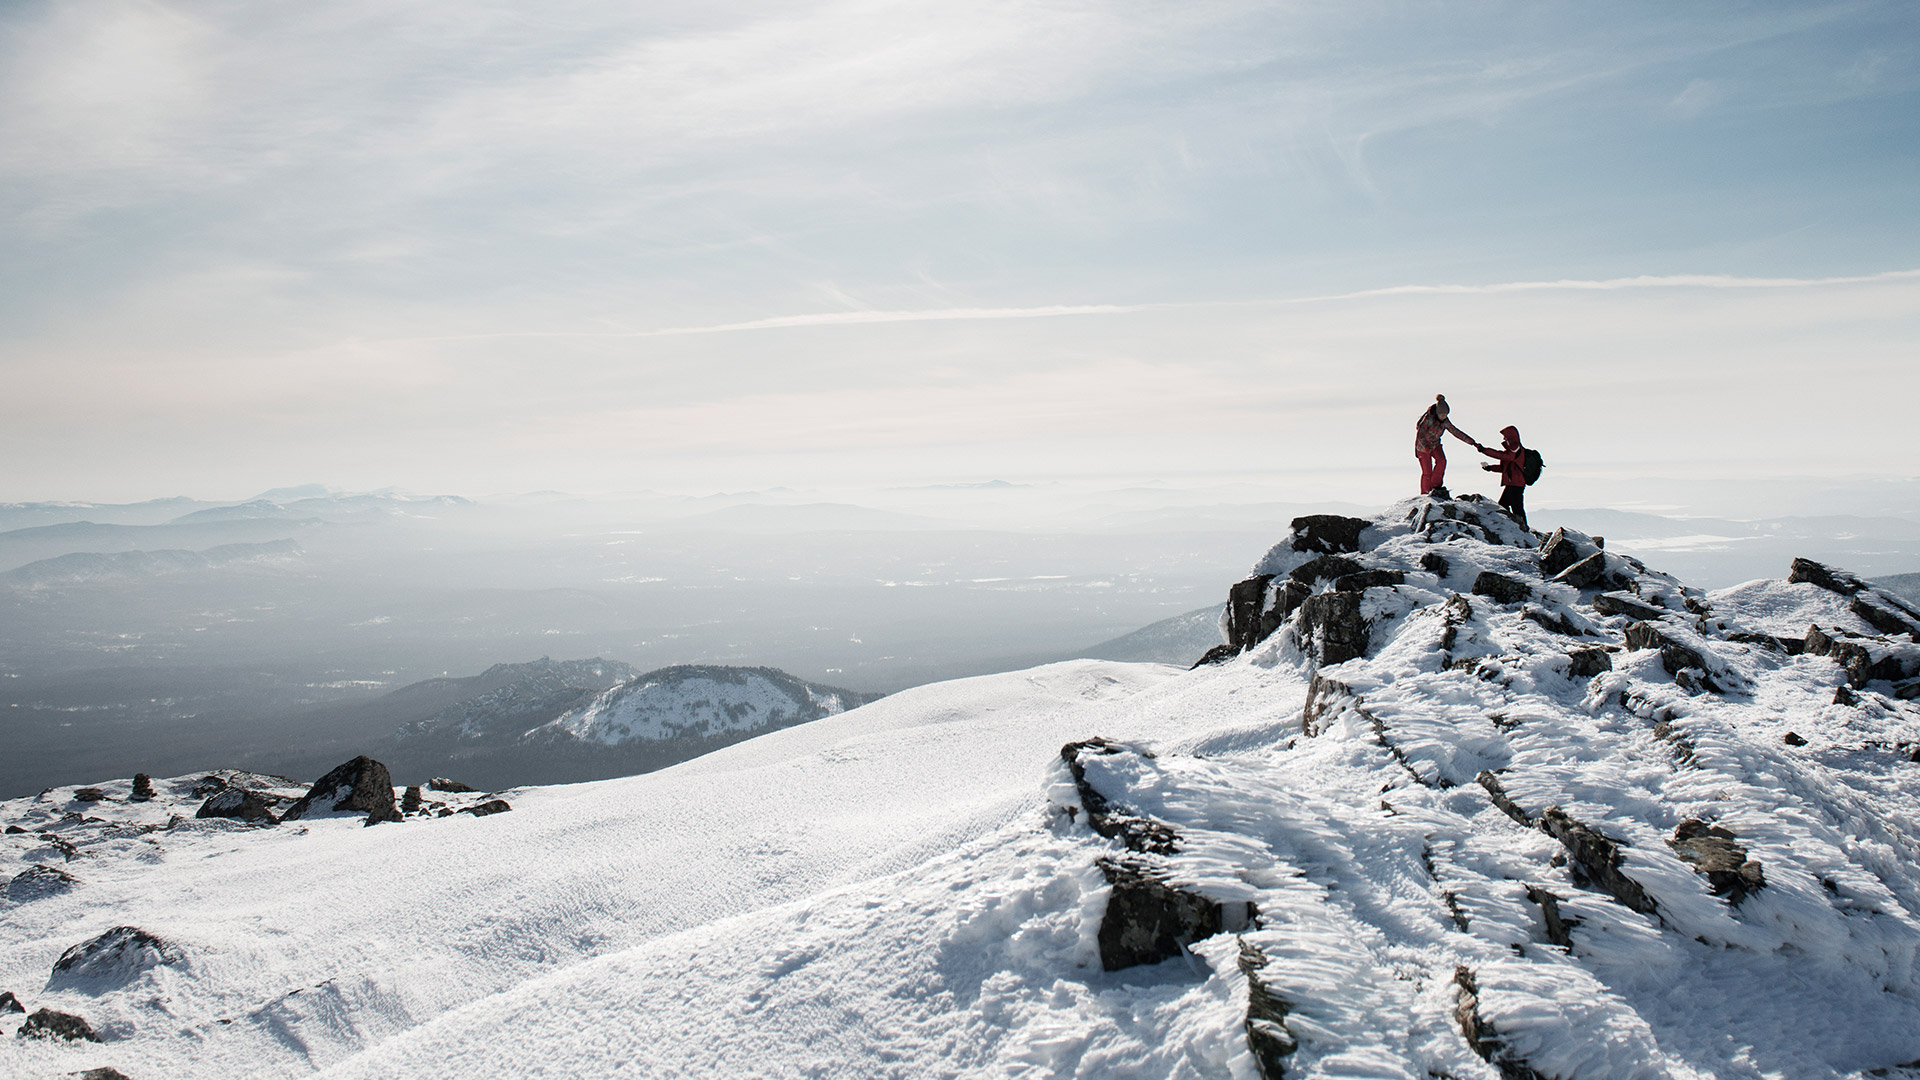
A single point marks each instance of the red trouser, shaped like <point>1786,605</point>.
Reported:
<point>1433,468</point>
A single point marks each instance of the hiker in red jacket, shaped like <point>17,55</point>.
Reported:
<point>1427,449</point>
<point>1510,463</point>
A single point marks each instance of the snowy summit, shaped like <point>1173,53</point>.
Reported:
<point>1452,800</point>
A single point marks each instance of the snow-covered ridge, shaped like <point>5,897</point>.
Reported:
<point>698,702</point>
<point>1454,800</point>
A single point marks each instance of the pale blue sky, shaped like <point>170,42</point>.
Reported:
<point>435,246</point>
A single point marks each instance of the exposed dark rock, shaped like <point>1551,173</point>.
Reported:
<point>237,802</point>
<point>1334,629</point>
<point>1558,553</point>
<point>1219,654</point>
<point>1267,1033</point>
<point>1827,577</point>
<point>1879,612</point>
<point>39,882</point>
<point>1458,611</point>
<point>89,794</point>
<point>1328,533</point>
<point>362,785</point>
<point>1498,795</point>
<point>491,806</point>
<point>1791,646</point>
<point>441,783</point>
<point>1554,621</point>
<point>1586,663</point>
<point>1501,588</point>
<point>1148,920</point>
<point>114,957</point>
<point>1710,850</point>
<point>1559,926</point>
<point>1865,659</point>
<point>1589,573</point>
<point>1369,579</point>
<point>10,1004</point>
<point>1907,691</point>
<point>1245,600</point>
<point>1844,695</point>
<point>410,802</point>
<point>1793,739</point>
<point>142,788</point>
<point>102,1073</point>
<point>1322,692</point>
<point>1675,655</point>
<point>209,784</point>
<point>1625,603</point>
<point>1108,819</point>
<point>1326,566</point>
<point>47,1024</point>
<point>15,830</point>
<point>1436,564</point>
<point>1597,856</point>
<point>1480,1035</point>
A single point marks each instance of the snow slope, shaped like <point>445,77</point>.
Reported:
<point>1453,813</point>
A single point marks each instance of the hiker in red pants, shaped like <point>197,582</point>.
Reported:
<point>1427,449</point>
<point>1510,462</point>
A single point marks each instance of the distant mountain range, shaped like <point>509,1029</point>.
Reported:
<point>1180,640</point>
<point>81,568</point>
<point>560,721</point>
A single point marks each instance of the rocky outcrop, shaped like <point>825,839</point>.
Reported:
<point>1628,605</point>
<point>491,806</point>
<point>38,883</point>
<point>1586,663</point>
<point>1559,928</point>
<point>240,804</point>
<point>1332,628</point>
<point>113,959</point>
<point>1827,577</point>
<point>1138,833</point>
<point>1268,1036</point>
<point>47,1024</point>
<point>89,794</point>
<point>1480,1035</point>
<point>1592,572</point>
<point>362,785</point>
<point>441,783</point>
<point>1712,852</point>
<point>1597,857</point>
<point>1681,660</point>
<point>1148,920</point>
<point>1500,588</point>
<point>1497,794</point>
<point>1865,659</point>
<point>1559,552</point>
<point>1328,533</point>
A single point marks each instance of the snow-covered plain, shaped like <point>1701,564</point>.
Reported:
<point>899,891</point>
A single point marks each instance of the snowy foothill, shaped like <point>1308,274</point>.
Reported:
<point>1454,799</point>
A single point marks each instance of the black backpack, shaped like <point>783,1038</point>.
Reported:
<point>1530,464</point>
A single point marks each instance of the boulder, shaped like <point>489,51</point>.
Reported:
<point>1333,627</point>
<point>410,802</point>
<point>209,784</point>
<point>1675,655</point>
<point>15,830</point>
<point>237,802</point>
<point>441,783</point>
<point>1586,663</point>
<point>362,785</point>
<point>1148,920</point>
<point>1827,577</point>
<point>114,958</point>
<point>1326,566</point>
<point>1625,603</point>
<point>47,1024</point>
<point>1363,580</point>
<point>142,788</point>
<point>102,1073</point>
<point>1792,738</point>
<point>10,1004</point>
<point>1500,588</point>
<point>89,794</point>
<point>1885,616</point>
<point>491,806</point>
<point>1219,654</point>
<point>1711,851</point>
<point>38,883</point>
<point>1436,564</point>
<point>1328,533</point>
<point>1558,553</point>
<point>1590,572</point>
<point>1596,856</point>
